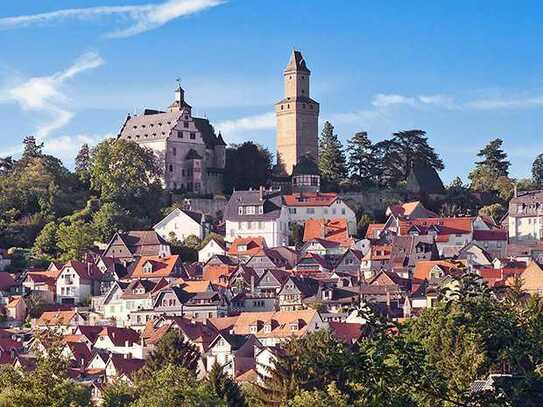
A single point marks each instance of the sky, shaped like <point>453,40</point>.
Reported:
<point>465,72</point>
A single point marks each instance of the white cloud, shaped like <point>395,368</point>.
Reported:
<point>504,103</point>
<point>66,147</point>
<point>44,95</point>
<point>143,17</point>
<point>231,129</point>
<point>382,100</point>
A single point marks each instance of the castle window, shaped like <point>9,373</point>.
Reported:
<point>303,91</point>
<point>154,134</point>
<point>302,77</point>
<point>174,151</point>
<point>186,125</point>
<point>137,136</point>
<point>192,136</point>
<point>134,127</point>
<point>288,106</point>
<point>282,107</point>
<point>143,125</point>
<point>180,134</point>
<point>151,125</point>
<point>303,104</point>
<point>240,210</point>
<point>129,137</point>
<point>171,168</point>
<point>183,172</point>
<point>290,77</point>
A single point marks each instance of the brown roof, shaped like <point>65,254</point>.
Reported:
<point>253,243</point>
<point>6,281</point>
<point>161,267</point>
<point>119,336</point>
<point>310,199</point>
<point>279,321</point>
<point>51,318</point>
<point>333,230</point>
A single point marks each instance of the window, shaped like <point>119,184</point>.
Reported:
<point>310,211</point>
<point>292,211</point>
<point>250,210</point>
<point>193,136</point>
<point>186,125</point>
<point>249,225</point>
<point>174,151</point>
<point>180,134</point>
<point>171,168</point>
<point>343,211</point>
<point>240,210</point>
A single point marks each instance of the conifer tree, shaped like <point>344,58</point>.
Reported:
<point>225,387</point>
<point>493,166</point>
<point>360,161</point>
<point>332,162</point>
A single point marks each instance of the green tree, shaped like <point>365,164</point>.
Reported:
<point>110,219</point>
<point>172,349</point>
<point>248,165</point>
<point>537,171</point>
<point>363,222</point>
<point>332,397</point>
<point>124,173</point>
<point>493,165</point>
<point>82,164</point>
<point>75,239</point>
<point>120,393</point>
<point>225,387</point>
<point>296,234</point>
<point>46,243</point>
<point>361,161</point>
<point>31,149</point>
<point>332,162</point>
<point>495,211</point>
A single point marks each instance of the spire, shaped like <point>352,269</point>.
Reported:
<point>179,93</point>
<point>296,62</point>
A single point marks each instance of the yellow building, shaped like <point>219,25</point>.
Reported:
<point>297,116</point>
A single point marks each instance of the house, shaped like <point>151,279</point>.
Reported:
<point>313,263</point>
<point>474,256</point>
<point>158,267</point>
<point>243,248</point>
<point>8,287</point>
<point>126,246</point>
<point>191,155</point>
<point>532,279</point>
<point>122,367</point>
<point>42,283</point>
<point>266,258</point>
<point>137,296</point>
<point>213,247</point>
<point>16,309</point>
<point>77,282</point>
<point>271,328</point>
<point>525,216</point>
<point>234,352</point>
<point>424,180</point>
<point>493,241</point>
<point>257,213</point>
<point>181,224</point>
<point>375,260</point>
<point>331,230</point>
<point>318,205</point>
<point>350,262</point>
<point>407,251</point>
<point>295,291</point>
<point>66,320</point>
<point>118,341</point>
<point>409,210</point>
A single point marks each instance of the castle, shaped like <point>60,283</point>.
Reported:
<point>192,156</point>
<point>297,117</point>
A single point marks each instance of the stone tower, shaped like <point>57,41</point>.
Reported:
<point>297,116</point>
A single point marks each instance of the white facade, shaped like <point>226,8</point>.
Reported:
<point>526,227</point>
<point>211,249</point>
<point>338,209</point>
<point>180,225</point>
<point>276,232</point>
<point>71,288</point>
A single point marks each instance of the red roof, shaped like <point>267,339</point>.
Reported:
<point>485,235</point>
<point>86,271</point>
<point>374,229</point>
<point>119,336</point>
<point>252,246</point>
<point>161,266</point>
<point>442,226</point>
<point>6,281</point>
<point>333,230</point>
<point>346,332</point>
<point>310,199</point>
<point>498,276</point>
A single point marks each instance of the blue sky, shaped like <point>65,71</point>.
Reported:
<point>464,71</point>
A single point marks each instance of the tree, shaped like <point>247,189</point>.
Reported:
<point>124,173</point>
<point>75,239</point>
<point>296,234</point>
<point>46,243</point>
<point>332,397</point>
<point>32,149</point>
<point>411,146</point>
<point>361,161</point>
<point>172,349</point>
<point>363,222</point>
<point>225,387</point>
<point>248,165</point>
<point>82,164</point>
<point>110,219</point>
<point>494,164</point>
<point>47,385</point>
<point>537,171</point>
<point>495,211</point>
<point>332,162</point>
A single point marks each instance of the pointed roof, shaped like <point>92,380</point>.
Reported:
<point>296,62</point>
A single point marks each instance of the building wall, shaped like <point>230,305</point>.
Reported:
<point>275,232</point>
<point>526,227</point>
<point>181,226</point>
<point>337,210</point>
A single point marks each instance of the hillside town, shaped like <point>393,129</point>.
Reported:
<point>167,233</point>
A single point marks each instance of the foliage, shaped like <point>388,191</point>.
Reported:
<point>296,236</point>
<point>225,387</point>
<point>82,164</point>
<point>537,171</point>
<point>361,162</point>
<point>47,385</point>
<point>124,173</point>
<point>75,239</point>
<point>248,165</point>
<point>211,236</point>
<point>495,211</point>
<point>110,219</point>
<point>332,161</point>
<point>491,168</point>
<point>172,349</point>
<point>332,397</point>
<point>363,222</point>
<point>46,243</point>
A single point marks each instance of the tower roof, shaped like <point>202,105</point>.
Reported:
<point>297,62</point>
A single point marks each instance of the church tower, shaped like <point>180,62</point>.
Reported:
<point>297,116</point>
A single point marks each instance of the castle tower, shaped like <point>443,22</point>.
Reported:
<point>297,116</point>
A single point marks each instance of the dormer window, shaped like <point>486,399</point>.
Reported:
<point>294,326</point>
<point>250,210</point>
<point>240,210</point>
<point>148,267</point>
<point>186,125</point>
<point>253,329</point>
<point>267,328</point>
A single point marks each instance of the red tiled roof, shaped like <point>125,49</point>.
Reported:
<point>496,276</point>
<point>119,336</point>
<point>86,271</point>
<point>485,235</point>
<point>346,332</point>
<point>374,229</point>
<point>161,267</point>
<point>310,199</point>
<point>444,226</point>
<point>253,243</point>
<point>333,230</point>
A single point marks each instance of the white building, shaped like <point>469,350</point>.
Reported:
<point>212,248</point>
<point>182,224</point>
<point>525,217</point>
<point>257,213</point>
<point>76,282</point>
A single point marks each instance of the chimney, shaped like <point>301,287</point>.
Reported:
<point>261,191</point>
<point>252,284</point>
<point>515,190</point>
